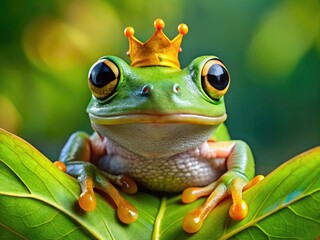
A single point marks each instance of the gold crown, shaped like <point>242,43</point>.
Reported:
<point>159,50</point>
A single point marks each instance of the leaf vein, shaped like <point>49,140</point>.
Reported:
<point>11,230</point>
<point>256,220</point>
<point>302,216</point>
<point>159,217</point>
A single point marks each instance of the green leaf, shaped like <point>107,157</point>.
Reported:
<point>37,201</point>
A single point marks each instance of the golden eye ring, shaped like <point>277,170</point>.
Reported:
<point>215,79</point>
<point>103,78</point>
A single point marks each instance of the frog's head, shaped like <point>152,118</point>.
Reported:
<point>157,110</point>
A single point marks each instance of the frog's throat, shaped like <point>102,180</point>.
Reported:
<point>157,118</point>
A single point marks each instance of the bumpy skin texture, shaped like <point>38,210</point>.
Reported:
<point>195,167</point>
<point>162,128</point>
<point>173,174</point>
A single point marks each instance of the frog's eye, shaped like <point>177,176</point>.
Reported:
<point>103,78</point>
<point>215,78</point>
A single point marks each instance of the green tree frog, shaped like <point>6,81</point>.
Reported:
<point>161,127</point>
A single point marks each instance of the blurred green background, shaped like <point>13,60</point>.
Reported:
<point>271,49</point>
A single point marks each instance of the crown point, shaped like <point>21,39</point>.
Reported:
<point>129,32</point>
<point>158,50</point>
<point>159,24</point>
<point>183,29</point>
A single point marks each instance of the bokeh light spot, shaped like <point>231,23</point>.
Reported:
<point>79,37</point>
<point>281,40</point>
<point>10,118</point>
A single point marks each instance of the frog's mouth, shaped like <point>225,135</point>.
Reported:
<point>157,118</point>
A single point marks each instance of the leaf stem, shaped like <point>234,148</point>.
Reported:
<point>160,215</point>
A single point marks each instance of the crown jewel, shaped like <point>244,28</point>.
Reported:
<point>159,50</point>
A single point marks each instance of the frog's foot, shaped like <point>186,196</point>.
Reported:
<point>90,177</point>
<point>216,192</point>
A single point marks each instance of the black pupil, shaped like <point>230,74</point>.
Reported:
<point>101,75</point>
<point>218,77</point>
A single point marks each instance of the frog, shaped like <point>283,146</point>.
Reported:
<point>161,128</point>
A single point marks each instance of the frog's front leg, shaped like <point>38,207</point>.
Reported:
<point>77,158</point>
<point>240,170</point>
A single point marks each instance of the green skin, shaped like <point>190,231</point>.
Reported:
<point>167,139</point>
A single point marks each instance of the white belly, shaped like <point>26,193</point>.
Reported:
<point>172,174</point>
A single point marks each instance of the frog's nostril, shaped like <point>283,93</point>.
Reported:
<point>176,88</point>
<point>146,90</point>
